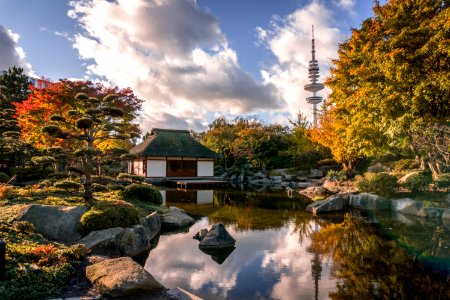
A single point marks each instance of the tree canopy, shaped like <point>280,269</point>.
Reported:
<point>391,77</point>
<point>36,111</point>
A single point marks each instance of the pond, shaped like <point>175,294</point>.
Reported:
<point>283,252</point>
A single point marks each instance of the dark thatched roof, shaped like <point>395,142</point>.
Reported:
<point>169,142</point>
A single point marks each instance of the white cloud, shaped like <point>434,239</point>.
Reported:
<point>171,53</point>
<point>11,53</point>
<point>289,39</point>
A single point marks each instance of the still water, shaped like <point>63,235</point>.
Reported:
<point>283,252</point>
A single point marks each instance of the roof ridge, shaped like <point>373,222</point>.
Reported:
<point>155,130</point>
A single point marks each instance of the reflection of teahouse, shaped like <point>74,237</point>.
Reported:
<point>172,153</point>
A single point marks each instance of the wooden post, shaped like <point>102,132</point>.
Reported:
<point>2,260</point>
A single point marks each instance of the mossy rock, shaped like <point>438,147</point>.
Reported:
<point>108,215</point>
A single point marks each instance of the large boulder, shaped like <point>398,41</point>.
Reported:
<point>135,240</point>
<point>104,242</point>
<point>175,219</point>
<point>217,237</point>
<point>121,277</point>
<point>314,191</point>
<point>369,202</point>
<point>333,203</point>
<point>54,222</point>
<point>406,206</point>
<point>152,223</point>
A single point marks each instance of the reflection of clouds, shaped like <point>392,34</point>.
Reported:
<point>270,263</point>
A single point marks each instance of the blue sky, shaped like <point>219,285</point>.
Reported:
<point>191,61</point>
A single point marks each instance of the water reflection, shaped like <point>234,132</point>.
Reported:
<point>283,252</point>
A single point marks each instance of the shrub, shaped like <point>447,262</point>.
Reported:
<point>131,178</point>
<point>23,226</point>
<point>142,192</point>
<point>115,187</point>
<point>7,191</point>
<point>99,188</point>
<point>418,183</point>
<point>381,184</point>
<point>109,215</point>
<point>443,181</point>
<point>337,175</point>
<point>69,186</point>
<point>405,164</point>
<point>4,177</point>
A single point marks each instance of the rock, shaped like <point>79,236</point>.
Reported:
<point>315,173</point>
<point>104,242</point>
<point>93,259</point>
<point>333,203</point>
<point>121,277</point>
<point>276,179</point>
<point>307,184</point>
<point>152,223</point>
<point>260,182</point>
<point>175,219</point>
<point>219,255</point>
<point>406,206</point>
<point>289,177</point>
<point>406,177</point>
<point>134,241</point>
<point>217,237</point>
<point>259,175</point>
<point>200,235</point>
<point>332,186</point>
<point>405,219</point>
<point>302,174</point>
<point>377,168</point>
<point>446,214</point>
<point>369,202</point>
<point>431,212</point>
<point>55,222</point>
<point>314,191</point>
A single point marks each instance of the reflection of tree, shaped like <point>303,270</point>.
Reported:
<point>372,267</point>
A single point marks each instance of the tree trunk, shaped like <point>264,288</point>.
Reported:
<point>435,170</point>
<point>88,197</point>
<point>423,164</point>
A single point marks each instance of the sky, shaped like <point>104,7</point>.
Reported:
<point>189,60</point>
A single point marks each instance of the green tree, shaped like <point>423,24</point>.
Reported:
<point>220,137</point>
<point>93,122</point>
<point>14,87</point>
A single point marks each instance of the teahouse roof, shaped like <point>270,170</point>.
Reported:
<point>175,143</point>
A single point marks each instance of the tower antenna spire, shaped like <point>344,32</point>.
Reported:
<point>314,86</point>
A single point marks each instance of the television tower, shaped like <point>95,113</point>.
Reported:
<point>314,86</point>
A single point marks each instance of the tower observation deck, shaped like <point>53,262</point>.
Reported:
<point>314,86</point>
